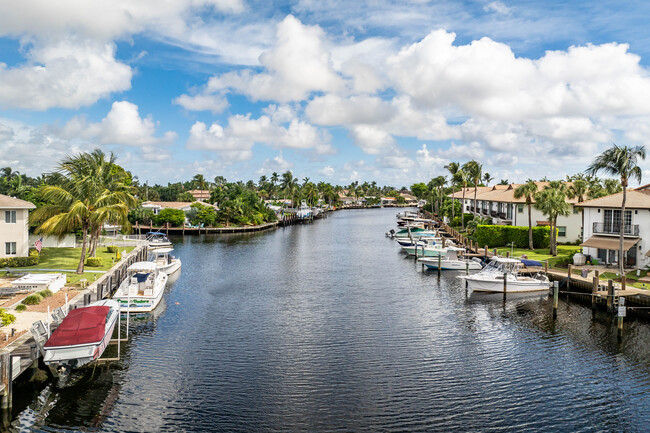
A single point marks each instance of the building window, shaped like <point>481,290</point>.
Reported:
<point>10,216</point>
<point>576,211</point>
<point>520,208</point>
<point>561,231</point>
<point>10,248</point>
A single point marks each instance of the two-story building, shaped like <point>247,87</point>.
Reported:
<point>498,203</point>
<point>603,222</point>
<point>14,226</point>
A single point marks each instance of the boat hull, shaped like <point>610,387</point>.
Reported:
<point>452,265</point>
<point>513,286</point>
<point>170,268</point>
<point>424,252</point>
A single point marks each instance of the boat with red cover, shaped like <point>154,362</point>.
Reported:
<point>83,335</point>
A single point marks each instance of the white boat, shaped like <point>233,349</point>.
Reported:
<point>427,250</point>
<point>491,278</point>
<point>165,262</point>
<point>304,211</point>
<point>451,262</point>
<point>158,240</point>
<point>83,335</point>
<point>142,289</point>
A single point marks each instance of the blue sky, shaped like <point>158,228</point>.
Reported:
<point>335,91</point>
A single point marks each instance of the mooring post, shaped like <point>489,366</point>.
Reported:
<point>556,297</point>
<point>594,289</point>
<point>620,315</point>
<point>439,263</point>
<point>568,279</point>
<point>610,296</point>
<point>505,285</point>
<point>494,251</point>
<point>623,282</point>
<point>5,359</point>
<point>485,250</point>
<point>545,267</point>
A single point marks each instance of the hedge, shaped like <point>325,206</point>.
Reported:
<point>111,249</point>
<point>501,236</point>
<point>94,262</point>
<point>18,262</point>
<point>457,223</point>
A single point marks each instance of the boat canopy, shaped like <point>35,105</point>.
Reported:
<point>142,267</point>
<point>163,250</point>
<point>155,234</point>
<point>81,326</point>
<point>531,263</point>
<point>505,260</point>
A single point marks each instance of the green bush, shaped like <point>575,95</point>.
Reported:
<point>21,307</point>
<point>45,293</point>
<point>175,217</point>
<point>94,262</point>
<point>6,318</point>
<point>19,262</point>
<point>34,299</point>
<point>457,222</point>
<point>501,236</point>
<point>111,249</point>
<point>563,261</point>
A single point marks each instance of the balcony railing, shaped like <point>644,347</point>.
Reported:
<point>615,228</point>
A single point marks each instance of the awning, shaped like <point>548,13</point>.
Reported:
<point>607,243</point>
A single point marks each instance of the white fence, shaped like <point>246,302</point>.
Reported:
<point>53,242</point>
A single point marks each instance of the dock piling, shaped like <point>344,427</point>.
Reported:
<point>5,359</point>
<point>556,296</point>
<point>505,285</point>
<point>610,296</point>
<point>439,263</point>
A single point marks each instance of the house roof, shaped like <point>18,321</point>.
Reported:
<point>638,198</point>
<point>7,202</point>
<point>500,193</point>
<point>200,193</point>
<point>408,196</point>
<point>168,204</point>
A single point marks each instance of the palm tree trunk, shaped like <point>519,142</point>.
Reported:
<point>554,237</point>
<point>530,226</point>
<point>475,191</point>
<point>462,217</point>
<point>453,202</point>
<point>621,257</point>
<point>82,260</point>
<point>94,239</point>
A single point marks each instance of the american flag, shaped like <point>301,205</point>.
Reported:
<point>39,244</point>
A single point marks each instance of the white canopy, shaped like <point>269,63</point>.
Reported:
<point>163,250</point>
<point>142,267</point>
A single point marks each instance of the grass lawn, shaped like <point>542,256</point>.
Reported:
<point>542,254</point>
<point>68,258</point>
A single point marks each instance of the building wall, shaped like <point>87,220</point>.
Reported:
<point>639,216</point>
<point>17,232</point>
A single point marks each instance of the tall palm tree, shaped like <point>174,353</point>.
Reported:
<point>464,178</point>
<point>579,189</point>
<point>475,171</point>
<point>527,191</point>
<point>199,181</point>
<point>90,195</point>
<point>552,202</point>
<point>620,161</point>
<point>487,178</point>
<point>453,168</point>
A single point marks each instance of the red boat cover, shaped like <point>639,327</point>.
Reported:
<point>81,326</point>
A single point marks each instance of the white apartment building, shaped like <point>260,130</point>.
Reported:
<point>14,226</point>
<point>603,223</point>
<point>498,203</point>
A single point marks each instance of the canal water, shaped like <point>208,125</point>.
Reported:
<point>327,327</point>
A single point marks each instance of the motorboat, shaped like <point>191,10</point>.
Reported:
<point>491,278</point>
<point>451,262</point>
<point>425,248</point>
<point>83,335</point>
<point>164,261</point>
<point>158,240</point>
<point>142,289</point>
<point>304,211</point>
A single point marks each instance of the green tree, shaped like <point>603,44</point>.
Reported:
<point>175,217</point>
<point>527,191</point>
<point>453,168</point>
<point>621,161</point>
<point>419,190</point>
<point>475,172</point>
<point>552,202</point>
<point>579,189</point>
<point>463,178</point>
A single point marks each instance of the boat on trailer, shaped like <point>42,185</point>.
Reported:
<point>82,336</point>
<point>491,278</point>
<point>142,289</point>
<point>165,262</point>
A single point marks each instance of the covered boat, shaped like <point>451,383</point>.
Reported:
<point>491,278</point>
<point>83,335</point>
<point>158,240</point>
<point>142,289</point>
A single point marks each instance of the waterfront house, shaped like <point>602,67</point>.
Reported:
<point>200,194</point>
<point>603,223</point>
<point>409,199</point>
<point>157,206</point>
<point>14,226</point>
<point>498,203</point>
<point>388,201</point>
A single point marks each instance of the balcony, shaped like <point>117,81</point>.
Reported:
<point>615,229</point>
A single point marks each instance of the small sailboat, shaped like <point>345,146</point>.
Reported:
<point>83,335</point>
<point>451,262</point>
<point>500,269</point>
<point>142,289</point>
<point>165,262</point>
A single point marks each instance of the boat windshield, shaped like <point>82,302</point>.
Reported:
<point>500,267</point>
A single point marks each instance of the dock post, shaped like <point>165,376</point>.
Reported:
<point>508,254</point>
<point>505,285</point>
<point>494,251</point>
<point>485,253</point>
<point>620,314</point>
<point>623,282</point>
<point>439,265</point>
<point>594,288</point>
<point>467,267</point>
<point>556,296</point>
<point>5,358</point>
<point>545,267</point>
<point>568,281</point>
<point>610,296</point>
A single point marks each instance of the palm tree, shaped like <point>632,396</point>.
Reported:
<point>91,194</point>
<point>199,181</point>
<point>552,202</point>
<point>463,177</point>
<point>475,171</point>
<point>620,161</point>
<point>477,221</point>
<point>528,190</point>
<point>453,168</point>
<point>487,178</point>
<point>579,189</point>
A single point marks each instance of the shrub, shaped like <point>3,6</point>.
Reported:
<point>563,261</point>
<point>45,293</point>
<point>94,262</point>
<point>111,249</point>
<point>6,318</point>
<point>457,222</point>
<point>34,299</point>
<point>175,217</point>
<point>21,307</point>
<point>18,262</point>
<point>501,236</point>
